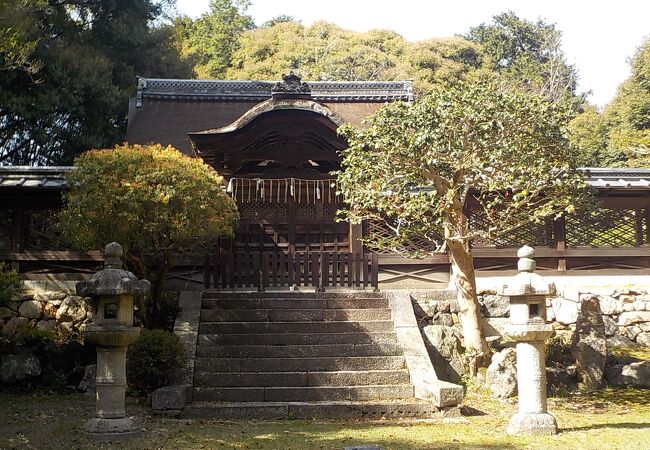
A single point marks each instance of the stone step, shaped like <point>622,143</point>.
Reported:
<point>315,410</point>
<point>302,394</point>
<point>297,379</point>
<point>297,338</point>
<point>213,294</point>
<point>303,303</point>
<point>297,351</point>
<point>293,315</point>
<point>214,365</point>
<point>385,326</point>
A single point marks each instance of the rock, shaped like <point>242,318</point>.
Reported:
<point>495,306</point>
<point>6,313</point>
<point>49,311</point>
<point>444,345</point>
<point>171,397</point>
<point>495,326</point>
<point>51,296</point>
<point>560,378</point>
<point>32,309</point>
<point>566,311</point>
<point>15,368</point>
<point>550,314</point>
<point>87,383</point>
<point>443,319</point>
<point>66,327</point>
<point>627,298</point>
<point>501,375</point>
<point>619,341</point>
<point>635,374</point>
<point>14,324</point>
<point>73,309</point>
<point>46,325</point>
<point>645,326</point>
<point>639,305</point>
<point>589,346</point>
<point>610,306</point>
<point>643,339</point>
<point>610,326</point>
<point>632,317</point>
<point>632,332</point>
<point>571,294</point>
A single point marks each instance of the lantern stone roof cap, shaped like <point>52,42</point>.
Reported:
<point>527,282</point>
<point>113,279</point>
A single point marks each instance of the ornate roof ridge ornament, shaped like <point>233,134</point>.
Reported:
<point>292,87</point>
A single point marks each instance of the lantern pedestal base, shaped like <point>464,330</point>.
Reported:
<point>540,424</point>
<point>111,429</point>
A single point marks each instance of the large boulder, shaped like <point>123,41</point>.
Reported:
<point>32,309</point>
<point>610,305</point>
<point>633,317</point>
<point>87,384</point>
<point>445,348</point>
<point>73,309</point>
<point>6,313</point>
<point>16,368</point>
<point>495,305</point>
<point>589,345</point>
<point>566,311</point>
<point>635,374</point>
<point>501,375</point>
<point>13,325</point>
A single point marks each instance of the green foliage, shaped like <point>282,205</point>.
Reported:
<point>152,360</point>
<point>63,359</point>
<point>417,166</point>
<point>10,284</point>
<point>211,40</point>
<point>588,135</point>
<point>78,70</point>
<point>154,201</point>
<point>324,51</point>
<point>627,116</point>
<point>528,54</point>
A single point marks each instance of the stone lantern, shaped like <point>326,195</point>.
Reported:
<point>527,293</point>
<point>112,291</point>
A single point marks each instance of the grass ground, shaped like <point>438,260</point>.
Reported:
<point>610,419</point>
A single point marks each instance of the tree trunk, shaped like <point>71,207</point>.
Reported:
<point>462,265</point>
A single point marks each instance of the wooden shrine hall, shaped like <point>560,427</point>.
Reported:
<point>276,144</point>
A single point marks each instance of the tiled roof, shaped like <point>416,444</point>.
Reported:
<point>228,90</point>
<point>26,177</point>
<point>606,178</point>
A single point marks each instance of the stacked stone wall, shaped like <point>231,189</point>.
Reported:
<point>47,310</point>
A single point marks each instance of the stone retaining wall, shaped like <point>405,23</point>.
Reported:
<point>53,310</point>
<point>625,314</point>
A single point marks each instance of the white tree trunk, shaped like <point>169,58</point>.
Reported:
<point>462,267</point>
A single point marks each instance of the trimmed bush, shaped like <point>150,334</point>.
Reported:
<point>152,360</point>
<point>9,283</point>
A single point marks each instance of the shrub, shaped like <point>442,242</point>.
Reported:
<point>152,361</point>
<point>9,283</point>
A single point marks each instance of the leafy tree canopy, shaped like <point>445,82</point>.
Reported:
<point>68,70</point>
<point>211,40</point>
<point>529,54</point>
<point>620,135</point>
<point>418,166</point>
<point>154,201</point>
<point>325,51</point>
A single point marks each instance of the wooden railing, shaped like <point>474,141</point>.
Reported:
<point>320,270</point>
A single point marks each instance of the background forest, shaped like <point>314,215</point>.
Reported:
<point>69,67</point>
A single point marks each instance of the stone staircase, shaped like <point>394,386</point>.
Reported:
<point>300,355</point>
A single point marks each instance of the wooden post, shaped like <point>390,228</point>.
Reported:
<point>17,228</point>
<point>559,229</point>
<point>206,271</point>
<point>374,269</point>
<point>355,235</point>
<point>638,226</point>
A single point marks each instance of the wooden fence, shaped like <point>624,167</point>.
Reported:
<point>262,269</point>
